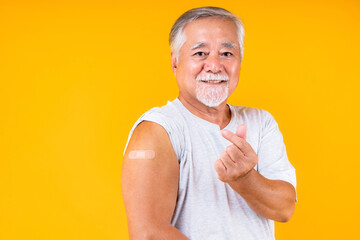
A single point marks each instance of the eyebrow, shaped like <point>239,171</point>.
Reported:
<point>229,45</point>
<point>224,44</point>
<point>198,45</point>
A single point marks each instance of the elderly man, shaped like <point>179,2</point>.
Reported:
<point>199,168</point>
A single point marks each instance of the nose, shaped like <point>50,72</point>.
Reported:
<point>213,64</point>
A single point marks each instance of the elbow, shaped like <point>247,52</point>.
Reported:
<point>284,218</point>
<point>286,214</point>
<point>287,209</point>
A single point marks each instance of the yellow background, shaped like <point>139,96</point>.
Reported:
<point>75,75</point>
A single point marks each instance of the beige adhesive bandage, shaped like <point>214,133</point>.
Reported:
<point>142,154</point>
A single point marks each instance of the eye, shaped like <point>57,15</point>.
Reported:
<point>200,54</point>
<point>227,54</point>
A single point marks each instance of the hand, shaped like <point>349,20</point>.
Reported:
<point>238,159</point>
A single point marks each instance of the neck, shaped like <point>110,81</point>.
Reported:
<point>219,115</point>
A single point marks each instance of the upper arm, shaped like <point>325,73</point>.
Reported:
<point>149,186</point>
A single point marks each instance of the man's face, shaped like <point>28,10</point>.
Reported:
<point>209,61</point>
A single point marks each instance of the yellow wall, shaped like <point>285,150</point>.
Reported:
<point>75,75</point>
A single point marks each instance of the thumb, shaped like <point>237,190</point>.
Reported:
<point>241,131</point>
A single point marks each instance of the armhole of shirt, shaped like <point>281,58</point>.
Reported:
<point>164,122</point>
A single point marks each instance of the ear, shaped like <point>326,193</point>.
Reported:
<point>173,63</point>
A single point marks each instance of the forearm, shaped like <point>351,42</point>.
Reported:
<point>272,199</point>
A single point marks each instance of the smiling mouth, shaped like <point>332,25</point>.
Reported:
<point>213,81</point>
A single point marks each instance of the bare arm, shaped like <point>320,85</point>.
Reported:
<point>150,184</point>
<point>273,199</point>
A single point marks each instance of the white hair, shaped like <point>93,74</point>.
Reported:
<point>177,37</point>
<point>212,96</point>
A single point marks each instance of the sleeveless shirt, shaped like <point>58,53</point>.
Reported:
<point>206,207</point>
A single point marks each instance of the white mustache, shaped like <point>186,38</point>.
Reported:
<point>212,76</point>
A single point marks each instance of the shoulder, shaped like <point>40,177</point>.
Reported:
<point>167,116</point>
<point>160,122</point>
<point>149,136</point>
<point>146,130</point>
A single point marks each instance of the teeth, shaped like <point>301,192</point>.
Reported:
<point>213,81</point>
<point>210,77</point>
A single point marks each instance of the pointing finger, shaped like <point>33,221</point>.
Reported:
<point>234,153</point>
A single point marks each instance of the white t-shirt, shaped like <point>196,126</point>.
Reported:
<point>207,208</point>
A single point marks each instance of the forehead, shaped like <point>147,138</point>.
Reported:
<point>211,30</point>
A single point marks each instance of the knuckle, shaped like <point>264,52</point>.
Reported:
<point>217,164</point>
<point>231,148</point>
<point>223,155</point>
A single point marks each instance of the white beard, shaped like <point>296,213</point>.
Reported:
<point>211,96</point>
